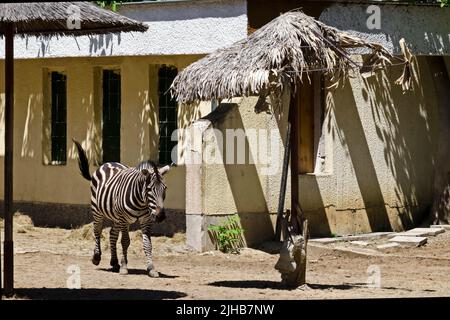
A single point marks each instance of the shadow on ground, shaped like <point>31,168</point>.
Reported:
<point>265,284</point>
<point>140,272</point>
<point>96,294</point>
<point>254,284</point>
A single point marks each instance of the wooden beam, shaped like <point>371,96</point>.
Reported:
<point>282,196</point>
<point>293,119</point>
<point>8,164</point>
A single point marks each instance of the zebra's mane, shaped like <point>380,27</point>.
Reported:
<point>151,166</point>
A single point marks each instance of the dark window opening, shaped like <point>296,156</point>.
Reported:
<point>111,116</point>
<point>168,108</point>
<point>58,118</point>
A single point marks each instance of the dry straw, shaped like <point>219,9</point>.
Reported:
<point>50,18</point>
<point>278,53</point>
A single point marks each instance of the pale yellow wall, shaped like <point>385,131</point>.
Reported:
<point>242,188</point>
<point>36,182</point>
<point>379,148</point>
<point>377,144</point>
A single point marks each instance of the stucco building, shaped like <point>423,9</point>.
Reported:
<point>368,166</point>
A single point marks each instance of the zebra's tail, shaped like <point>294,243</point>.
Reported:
<point>83,162</point>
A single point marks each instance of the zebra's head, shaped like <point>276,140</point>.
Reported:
<point>155,190</point>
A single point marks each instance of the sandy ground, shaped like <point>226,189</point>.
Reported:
<point>45,256</point>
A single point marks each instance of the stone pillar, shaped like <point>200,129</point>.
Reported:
<point>196,231</point>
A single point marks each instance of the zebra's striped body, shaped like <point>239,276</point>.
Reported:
<point>124,194</point>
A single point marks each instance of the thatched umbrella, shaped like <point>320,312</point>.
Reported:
<point>279,54</point>
<point>42,19</point>
<point>276,54</point>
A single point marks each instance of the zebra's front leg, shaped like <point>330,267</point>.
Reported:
<point>113,236</point>
<point>125,244</point>
<point>146,239</point>
<point>98,226</point>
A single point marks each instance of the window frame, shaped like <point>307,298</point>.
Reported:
<point>102,107</point>
<point>167,113</point>
<point>48,116</point>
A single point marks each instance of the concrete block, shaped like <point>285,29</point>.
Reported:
<point>411,234</point>
<point>360,243</point>
<point>388,245</point>
<point>369,236</point>
<point>441,226</point>
<point>411,241</point>
<point>326,240</point>
<point>423,232</point>
<point>365,236</point>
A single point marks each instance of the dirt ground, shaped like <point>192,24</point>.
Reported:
<point>45,256</point>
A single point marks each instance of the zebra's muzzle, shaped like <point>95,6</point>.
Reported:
<point>160,214</point>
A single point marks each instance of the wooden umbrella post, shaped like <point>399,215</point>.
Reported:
<point>283,183</point>
<point>8,164</point>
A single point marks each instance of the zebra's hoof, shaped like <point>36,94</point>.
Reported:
<point>115,268</point>
<point>153,273</point>
<point>123,270</point>
<point>96,259</point>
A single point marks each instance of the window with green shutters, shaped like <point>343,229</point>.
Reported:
<point>167,113</point>
<point>58,117</point>
<point>111,116</point>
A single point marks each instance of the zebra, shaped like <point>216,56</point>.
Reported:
<point>123,195</point>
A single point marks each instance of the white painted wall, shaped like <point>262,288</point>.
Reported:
<point>181,27</point>
<point>426,29</point>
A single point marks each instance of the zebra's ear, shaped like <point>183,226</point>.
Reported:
<point>164,170</point>
<point>145,172</point>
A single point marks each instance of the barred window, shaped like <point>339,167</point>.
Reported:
<point>111,116</point>
<point>58,118</point>
<point>167,113</point>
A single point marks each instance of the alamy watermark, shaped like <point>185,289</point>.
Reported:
<point>374,19</point>
<point>74,17</point>
<point>252,146</point>
<point>74,280</point>
<point>374,278</point>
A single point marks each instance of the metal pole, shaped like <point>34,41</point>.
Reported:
<point>8,164</point>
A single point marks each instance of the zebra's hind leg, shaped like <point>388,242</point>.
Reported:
<point>125,244</point>
<point>146,239</point>
<point>98,226</point>
<point>113,236</point>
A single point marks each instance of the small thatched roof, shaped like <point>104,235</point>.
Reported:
<point>50,18</point>
<point>276,54</point>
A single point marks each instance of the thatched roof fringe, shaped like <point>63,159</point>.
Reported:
<point>50,18</point>
<point>283,50</point>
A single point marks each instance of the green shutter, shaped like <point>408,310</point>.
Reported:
<point>59,118</point>
<point>111,116</point>
<point>167,113</point>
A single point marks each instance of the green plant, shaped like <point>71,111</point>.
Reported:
<point>113,4</point>
<point>228,236</point>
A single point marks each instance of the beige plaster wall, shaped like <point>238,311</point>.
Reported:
<point>376,171</point>
<point>36,182</point>
<point>379,147</point>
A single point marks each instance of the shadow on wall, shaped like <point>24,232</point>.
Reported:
<point>352,135</point>
<point>99,44</point>
<point>309,193</point>
<point>187,114</point>
<point>407,138</point>
<point>402,123</point>
<point>245,184</point>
